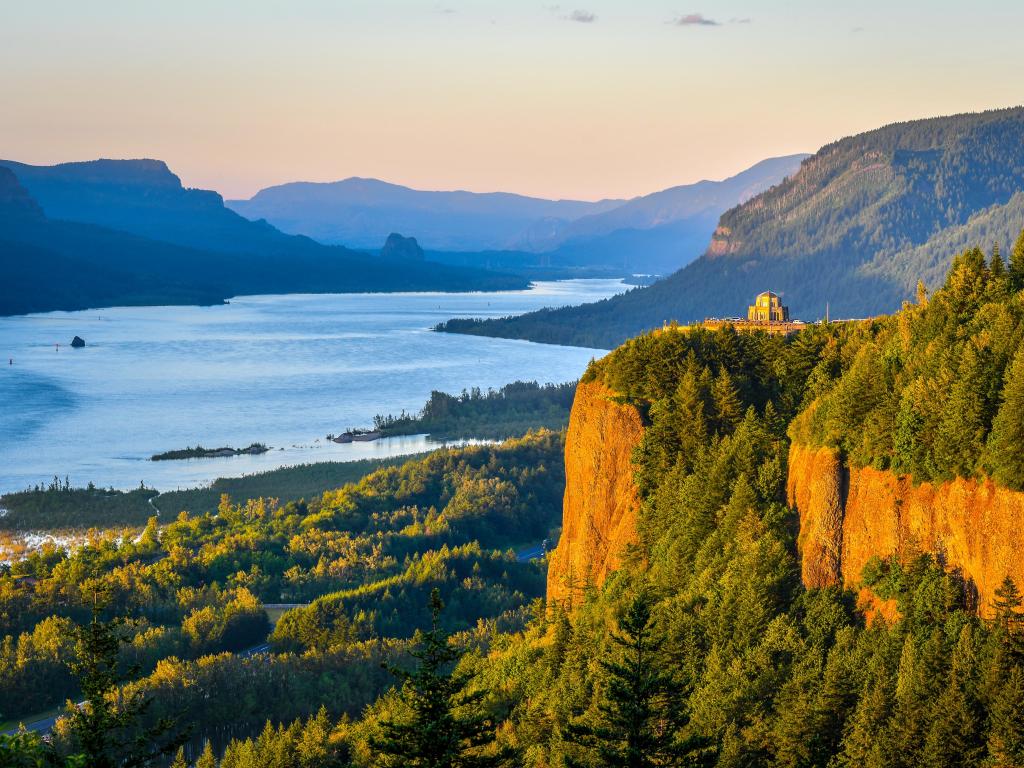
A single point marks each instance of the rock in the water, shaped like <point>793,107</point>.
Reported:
<point>78,342</point>
<point>398,248</point>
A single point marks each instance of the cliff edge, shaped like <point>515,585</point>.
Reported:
<point>599,512</point>
<point>849,514</point>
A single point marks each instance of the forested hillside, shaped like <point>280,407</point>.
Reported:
<point>367,553</point>
<point>741,663</point>
<point>748,666</point>
<point>855,228</point>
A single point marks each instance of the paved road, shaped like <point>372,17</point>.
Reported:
<point>535,552</point>
<point>250,652</point>
<point>43,726</point>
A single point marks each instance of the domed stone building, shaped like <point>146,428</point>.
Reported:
<point>767,308</point>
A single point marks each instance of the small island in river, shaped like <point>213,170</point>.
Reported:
<point>356,436</point>
<point>209,453</point>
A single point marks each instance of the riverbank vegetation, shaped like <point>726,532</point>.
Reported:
<point>58,506</point>
<point>303,481</point>
<point>369,550</point>
<point>496,414</point>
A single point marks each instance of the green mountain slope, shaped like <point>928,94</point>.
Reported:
<point>840,232</point>
<point>928,262</point>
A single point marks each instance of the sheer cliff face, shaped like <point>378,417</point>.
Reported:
<point>600,508</point>
<point>848,515</point>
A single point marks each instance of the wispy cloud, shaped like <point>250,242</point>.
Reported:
<point>584,17</point>
<point>695,20</point>
<point>745,20</point>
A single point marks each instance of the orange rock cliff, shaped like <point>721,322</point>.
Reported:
<point>599,511</point>
<point>848,515</point>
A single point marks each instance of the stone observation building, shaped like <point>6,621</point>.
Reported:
<point>767,314</point>
<point>767,308</point>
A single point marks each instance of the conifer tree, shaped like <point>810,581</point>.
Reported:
<point>1017,263</point>
<point>955,737</point>
<point>1007,603</point>
<point>1006,728</point>
<point>1009,618</point>
<point>996,265</point>
<point>955,733</point>
<point>555,654</point>
<point>966,415</point>
<point>108,727</point>
<point>312,746</point>
<point>179,759</point>
<point>1004,459</point>
<point>864,741</point>
<point>642,710</point>
<point>999,278</point>
<point>690,416</point>
<point>446,726</point>
<point>727,403</point>
<point>207,759</point>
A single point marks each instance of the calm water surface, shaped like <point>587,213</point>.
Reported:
<point>281,370</point>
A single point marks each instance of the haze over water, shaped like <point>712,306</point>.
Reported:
<point>281,370</point>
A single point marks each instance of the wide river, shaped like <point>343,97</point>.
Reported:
<point>281,370</point>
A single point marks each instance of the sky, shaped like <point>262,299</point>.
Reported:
<point>590,99</point>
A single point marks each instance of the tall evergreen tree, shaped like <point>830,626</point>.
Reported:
<point>179,759</point>
<point>966,415</point>
<point>641,714</point>
<point>996,265</point>
<point>1017,263</point>
<point>1004,459</point>
<point>865,742</point>
<point>690,416</point>
<point>1007,607</point>
<point>207,759</point>
<point>1006,728</point>
<point>108,727</point>
<point>446,726</point>
<point>727,404</point>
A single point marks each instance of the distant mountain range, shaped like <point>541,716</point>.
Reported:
<point>855,228</point>
<point>362,212</point>
<point>656,233</point>
<point>107,232</point>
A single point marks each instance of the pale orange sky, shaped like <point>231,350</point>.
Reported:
<point>586,100</point>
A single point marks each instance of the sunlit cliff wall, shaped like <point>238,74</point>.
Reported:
<point>599,512</point>
<point>847,515</point>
